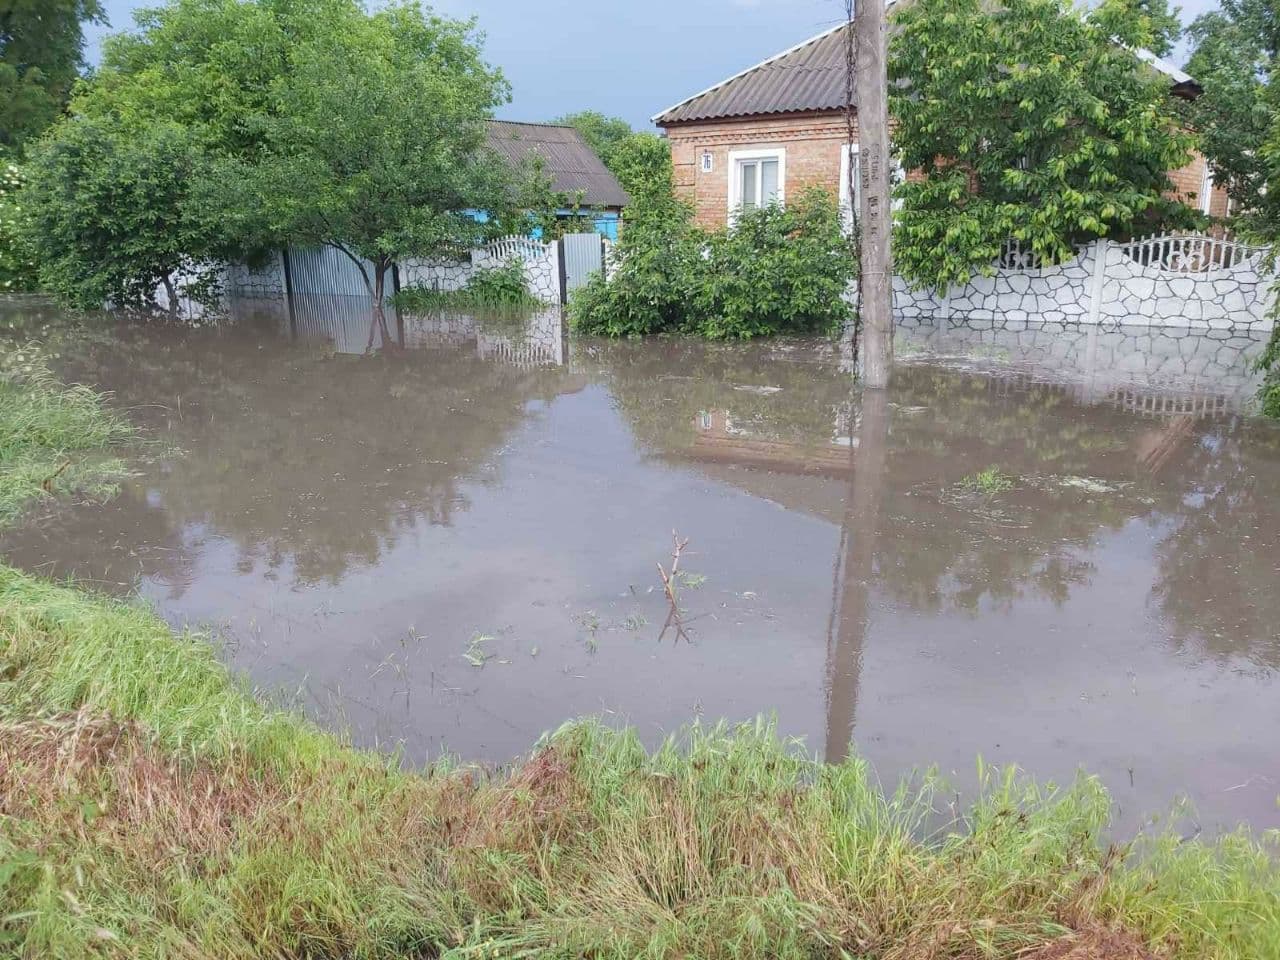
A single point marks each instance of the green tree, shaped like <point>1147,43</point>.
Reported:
<point>375,142</point>
<point>1232,52</point>
<point>41,55</point>
<point>303,121</point>
<point>108,213</point>
<point>1144,24</point>
<point>1026,121</point>
<point>641,161</point>
<point>642,164</point>
<point>603,134</point>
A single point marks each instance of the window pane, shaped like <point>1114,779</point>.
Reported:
<point>749,171</point>
<point>768,181</point>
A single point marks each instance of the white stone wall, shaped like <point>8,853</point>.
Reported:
<point>435,274</point>
<point>541,272</point>
<point>1103,284</point>
<point>1227,298</point>
<point>262,283</point>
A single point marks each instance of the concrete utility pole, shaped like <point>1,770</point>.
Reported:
<point>874,214</point>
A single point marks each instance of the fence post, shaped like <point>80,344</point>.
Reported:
<point>1099,276</point>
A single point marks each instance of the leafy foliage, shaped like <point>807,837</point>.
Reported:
<point>310,121</point>
<point>1143,24</point>
<point>492,288</point>
<point>603,134</point>
<point>640,160</point>
<point>17,264</point>
<point>110,214</point>
<point>1233,49</point>
<point>776,270</point>
<point>1026,121</point>
<point>41,53</point>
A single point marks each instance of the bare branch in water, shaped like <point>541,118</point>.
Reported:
<point>674,617</point>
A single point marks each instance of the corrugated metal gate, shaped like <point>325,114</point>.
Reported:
<point>329,271</point>
<point>581,254</point>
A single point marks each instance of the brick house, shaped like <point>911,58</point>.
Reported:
<point>778,128</point>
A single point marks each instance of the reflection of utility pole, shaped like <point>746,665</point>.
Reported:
<point>875,283</point>
<point>854,570</point>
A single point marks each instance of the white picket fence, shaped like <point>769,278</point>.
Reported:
<point>1190,253</point>
<point>515,246</point>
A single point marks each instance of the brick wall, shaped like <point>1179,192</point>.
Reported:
<point>1188,182</point>
<point>812,142</point>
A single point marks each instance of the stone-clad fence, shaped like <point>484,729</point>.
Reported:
<point>1194,280</point>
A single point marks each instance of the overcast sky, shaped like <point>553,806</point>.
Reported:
<point>627,58</point>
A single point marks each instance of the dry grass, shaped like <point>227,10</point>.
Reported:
<point>150,808</point>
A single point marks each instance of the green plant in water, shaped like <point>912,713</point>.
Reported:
<point>54,438</point>
<point>989,481</point>
<point>475,654</point>
<point>499,289</point>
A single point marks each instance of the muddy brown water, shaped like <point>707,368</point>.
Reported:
<point>349,526</point>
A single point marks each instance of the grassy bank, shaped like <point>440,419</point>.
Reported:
<point>54,439</point>
<point>150,807</point>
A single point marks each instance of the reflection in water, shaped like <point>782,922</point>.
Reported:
<point>330,514</point>
<point>854,570</point>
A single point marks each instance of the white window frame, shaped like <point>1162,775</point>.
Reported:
<point>736,158</point>
<point>1206,189</point>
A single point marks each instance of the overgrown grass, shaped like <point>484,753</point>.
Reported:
<point>149,807</point>
<point>990,481</point>
<point>53,437</point>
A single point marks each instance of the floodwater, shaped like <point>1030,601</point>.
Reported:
<point>455,546</point>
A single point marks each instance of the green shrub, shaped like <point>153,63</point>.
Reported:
<point>1269,363</point>
<point>17,265</point>
<point>776,270</point>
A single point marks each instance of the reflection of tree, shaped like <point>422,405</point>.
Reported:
<point>1219,568</point>
<point>934,548</point>
<point>943,548</point>
<point>306,458</point>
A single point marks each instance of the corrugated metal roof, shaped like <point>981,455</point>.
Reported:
<point>808,76</point>
<point>811,76</point>
<point>568,160</point>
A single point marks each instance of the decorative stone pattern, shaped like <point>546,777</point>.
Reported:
<point>262,283</point>
<point>435,274</point>
<point>541,268</point>
<point>1156,370</point>
<point>1103,284</point>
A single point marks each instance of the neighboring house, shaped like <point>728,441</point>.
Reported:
<point>779,127</point>
<point>574,168</point>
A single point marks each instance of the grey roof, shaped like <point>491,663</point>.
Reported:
<point>808,76</point>
<point>569,161</point>
<point>811,76</point>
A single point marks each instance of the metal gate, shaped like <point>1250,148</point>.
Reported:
<point>330,272</point>
<point>581,254</point>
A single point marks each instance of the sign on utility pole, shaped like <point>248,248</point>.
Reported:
<point>874,213</point>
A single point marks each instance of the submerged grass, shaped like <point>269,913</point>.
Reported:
<point>53,437</point>
<point>149,807</point>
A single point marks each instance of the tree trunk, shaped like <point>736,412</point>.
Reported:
<point>874,217</point>
<point>171,293</point>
